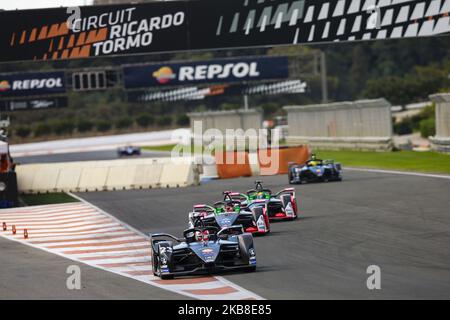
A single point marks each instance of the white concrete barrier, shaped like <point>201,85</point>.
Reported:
<point>120,177</point>
<point>121,174</point>
<point>147,176</point>
<point>45,179</point>
<point>25,176</point>
<point>177,175</point>
<point>93,179</point>
<point>68,179</point>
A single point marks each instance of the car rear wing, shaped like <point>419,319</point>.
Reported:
<point>231,230</point>
<point>157,237</point>
<point>290,191</point>
<point>332,162</point>
<point>203,208</point>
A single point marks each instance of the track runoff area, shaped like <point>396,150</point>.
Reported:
<point>397,223</point>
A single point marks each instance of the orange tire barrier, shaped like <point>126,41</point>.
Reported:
<point>233,164</point>
<point>276,161</point>
<point>271,161</point>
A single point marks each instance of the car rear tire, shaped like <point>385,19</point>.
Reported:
<point>155,263</point>
<point>157,271</point>
<point>245,241</point>
<point>290,177</point>
<point>259,212</point>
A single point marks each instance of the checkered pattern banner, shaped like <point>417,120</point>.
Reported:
<point>51,34</point>
<point>196,93</point>
<point>374,19</point>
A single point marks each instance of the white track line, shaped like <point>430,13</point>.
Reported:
<point>418,174</point>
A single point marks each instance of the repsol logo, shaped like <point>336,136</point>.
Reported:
<point>240,70</point>
<point>33,84</point>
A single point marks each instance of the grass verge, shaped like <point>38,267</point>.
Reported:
<point>429,162</point>
<point>47,198</point>
<point>168,148</point>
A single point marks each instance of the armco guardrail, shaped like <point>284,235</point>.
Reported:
<point>107,175</point>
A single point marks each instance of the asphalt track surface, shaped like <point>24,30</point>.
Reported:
<point>86,156</point>
<point>399,223</point>
<point>28,273</point>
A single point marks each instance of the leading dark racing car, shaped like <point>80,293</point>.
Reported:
<point>315,170</point>
<point>202,250</point>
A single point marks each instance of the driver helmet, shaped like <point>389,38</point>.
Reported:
<point>313,163</point>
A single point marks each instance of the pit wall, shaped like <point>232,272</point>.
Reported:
<point>86,176</point>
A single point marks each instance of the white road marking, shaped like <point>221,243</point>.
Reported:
<point>418,174</point>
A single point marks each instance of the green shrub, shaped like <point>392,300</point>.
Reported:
<point>428,127</point>
<point>269,109</point>
<point>144,120</point>
<point>63,127</point>
<point>414,124</point>
<point>124,122</point>
<point>42,129</point>
<point>230,106</point>
<point>85,125</point>
<point>103,125</point>
<point>183,120</point>
<point>23,132</point>
<point>164,121</point>
<point>426,113</point>
<point>403,127</point>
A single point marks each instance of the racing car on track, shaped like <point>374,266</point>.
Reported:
<point>128,151</point>
<point>315,170</point>
<point>278,206</point>
<point>229,212</point>
<point>202,250</point>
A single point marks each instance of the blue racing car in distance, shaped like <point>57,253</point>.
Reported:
<point>128,151</point>
<point>315,170</point>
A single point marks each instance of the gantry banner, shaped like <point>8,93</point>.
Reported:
<point>210,71</point>
<point>32,84</point>
<point>96,31</point>
<point>38,103</point>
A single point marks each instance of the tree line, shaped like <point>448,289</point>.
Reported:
<point>402,71</point>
